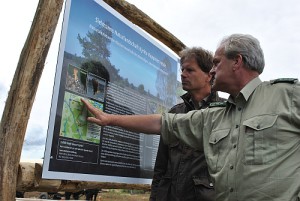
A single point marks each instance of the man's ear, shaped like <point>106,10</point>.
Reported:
<point>208,77</point>
<point>238,60</point>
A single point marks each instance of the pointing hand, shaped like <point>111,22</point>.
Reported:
<point>101,118</point>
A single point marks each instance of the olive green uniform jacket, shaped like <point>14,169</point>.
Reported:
<point>251,143</point>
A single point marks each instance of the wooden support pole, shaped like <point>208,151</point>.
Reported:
<point>22,93</point>
<point>30,179</point>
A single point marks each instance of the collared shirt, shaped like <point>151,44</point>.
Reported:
<point>252,146</point>
<point>180,172</point>
<point>200,104</point>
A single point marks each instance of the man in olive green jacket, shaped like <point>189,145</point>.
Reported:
<point>251,143</point>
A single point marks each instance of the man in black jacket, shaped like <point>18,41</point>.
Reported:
<point>180,172</point>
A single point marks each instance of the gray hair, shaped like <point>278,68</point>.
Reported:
<point>247,46</point>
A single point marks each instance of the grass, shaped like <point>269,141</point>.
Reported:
<point>112,196</point>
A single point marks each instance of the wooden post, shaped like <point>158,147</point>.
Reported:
<point>22,93</point>
<point>30,179</point>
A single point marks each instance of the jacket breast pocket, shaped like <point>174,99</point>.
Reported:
<point>218,144</point>
<point>260,139</point>
<point>204,189</point>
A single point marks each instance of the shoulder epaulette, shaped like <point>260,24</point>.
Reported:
<point>284,80</point>
<point>217,104</point>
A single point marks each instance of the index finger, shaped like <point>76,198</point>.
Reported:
<point>89,106</point>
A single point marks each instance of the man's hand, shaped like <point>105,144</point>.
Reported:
<point>101,118</point>
<point>148,124</point>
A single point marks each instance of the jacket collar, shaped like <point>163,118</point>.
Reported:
<point>246,91</point>
<point>187,98</point>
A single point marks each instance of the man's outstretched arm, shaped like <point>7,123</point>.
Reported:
<point>149,124</point>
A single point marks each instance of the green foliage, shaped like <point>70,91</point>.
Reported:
<point>95,45</point>
<point>96,68</point>
<point>133,191</point>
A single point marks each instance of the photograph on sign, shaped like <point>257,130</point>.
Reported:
<point>119,69</point>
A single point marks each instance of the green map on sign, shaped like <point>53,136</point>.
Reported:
<point>73,122</point>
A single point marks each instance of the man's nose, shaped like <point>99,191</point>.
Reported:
<point>183,73</point>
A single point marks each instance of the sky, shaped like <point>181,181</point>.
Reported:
<point>276,24</point>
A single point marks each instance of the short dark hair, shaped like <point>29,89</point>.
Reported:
<point>204,58</point>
